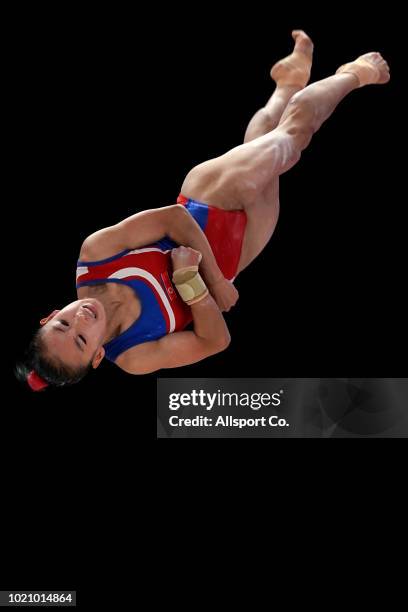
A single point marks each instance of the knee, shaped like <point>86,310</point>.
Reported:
<point>301,120</point>
<point>301,105</point>
<point>268,119</point>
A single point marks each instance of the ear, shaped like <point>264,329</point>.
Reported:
<point>50,316</point>
<point>99,355</point>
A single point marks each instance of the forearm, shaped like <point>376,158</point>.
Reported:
<point>185,231</point>
<point>209,324</point>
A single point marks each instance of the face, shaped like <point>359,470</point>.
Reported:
<point>75,334</point>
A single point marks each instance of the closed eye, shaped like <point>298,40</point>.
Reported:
<point>64,322</point>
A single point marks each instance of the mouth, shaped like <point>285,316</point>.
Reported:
<point>92,309</point>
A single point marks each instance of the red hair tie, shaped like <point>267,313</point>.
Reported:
<point>36,382</point>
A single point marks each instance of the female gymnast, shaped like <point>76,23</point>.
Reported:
<point>142,281</point>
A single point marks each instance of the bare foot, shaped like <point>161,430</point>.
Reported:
<point>369,69</point>
<point>294,70</point>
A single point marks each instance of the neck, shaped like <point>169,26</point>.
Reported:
<point>120,303</point>
<point>112,310</point>
<point>111,305</point>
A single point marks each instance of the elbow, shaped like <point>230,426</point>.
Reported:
<point>222,343</point>
<point>179,212</point>
<point>227,341</point>
<point>178,217</point>
<point>181,209</point>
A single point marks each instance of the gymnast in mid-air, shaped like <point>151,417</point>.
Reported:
<point>141,282</point>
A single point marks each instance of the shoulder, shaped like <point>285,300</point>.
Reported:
<point>138,359</point>
<point>171,351</point>
<point>143,228</point>
<point>100,245</point>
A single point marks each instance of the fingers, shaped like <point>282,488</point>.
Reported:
<point>185,250</point>
<point>185,255</point>
<point>182,249</point>
<point>226,304</point>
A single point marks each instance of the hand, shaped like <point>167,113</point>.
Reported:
<point>183,257</point>
<point>224,293</point>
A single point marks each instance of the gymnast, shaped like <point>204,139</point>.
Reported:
<point>141,282</point>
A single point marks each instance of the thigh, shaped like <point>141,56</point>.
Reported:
<point>262,219</point>
<point>212,183</point>
<point>239,179</point>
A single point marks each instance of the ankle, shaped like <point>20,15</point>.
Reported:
<point>351,77</point>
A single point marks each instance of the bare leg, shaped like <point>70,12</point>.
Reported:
<point>278,151</point>
<point>291,75</point>
<point>240,178</point>
<point>266,119</point>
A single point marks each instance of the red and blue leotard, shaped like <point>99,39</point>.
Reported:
<point>148,271</point>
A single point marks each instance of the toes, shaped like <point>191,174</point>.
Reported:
<point>377,59</point>
<point>301,34</point>
<point>303,42</point>
<point>374,56</point>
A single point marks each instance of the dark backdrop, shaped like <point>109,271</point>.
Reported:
<point>103,128</point>
<point>108,113</point>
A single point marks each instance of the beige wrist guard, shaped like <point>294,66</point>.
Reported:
<point>190,285</point>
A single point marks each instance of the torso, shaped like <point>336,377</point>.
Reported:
<point>135,285</point>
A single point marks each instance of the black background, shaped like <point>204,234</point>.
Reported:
<point>108,112</point>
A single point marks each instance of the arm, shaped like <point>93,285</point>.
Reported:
<point>210,333</point>
<point>210,336</point>
<point>150,226</point>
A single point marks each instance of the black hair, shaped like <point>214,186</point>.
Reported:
<point>52,370</point>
